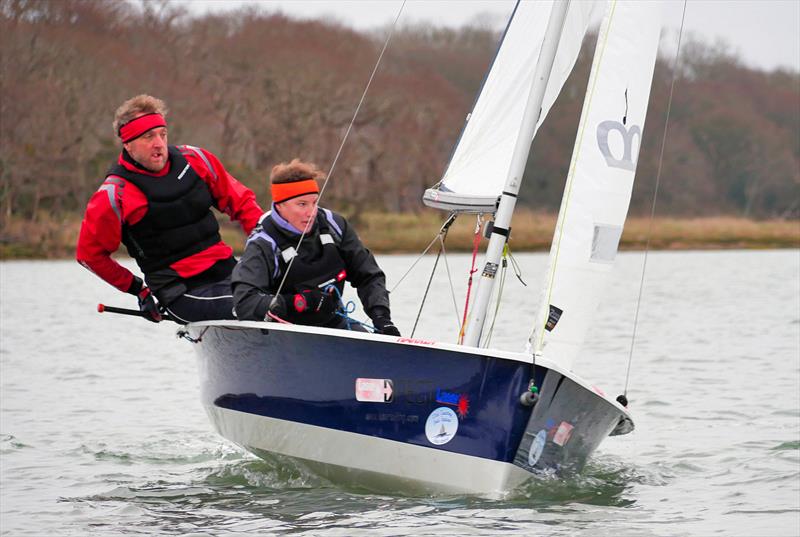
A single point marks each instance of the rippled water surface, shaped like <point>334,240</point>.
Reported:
<point>102,432</point>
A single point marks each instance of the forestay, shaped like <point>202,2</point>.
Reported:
<point>600,178</point>
<point>481,160</point>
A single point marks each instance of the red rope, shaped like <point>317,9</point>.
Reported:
<point>276,318</point>
<point>475,243</point>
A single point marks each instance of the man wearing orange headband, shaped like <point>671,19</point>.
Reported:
<point>156,200</point>
<point>330,254</point>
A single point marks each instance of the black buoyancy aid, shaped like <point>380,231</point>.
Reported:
<point>318,265</point>
<point>178,222</point>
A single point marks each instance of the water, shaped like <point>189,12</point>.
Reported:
<point>103,434</point>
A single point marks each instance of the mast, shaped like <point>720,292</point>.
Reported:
<point>508,198</point>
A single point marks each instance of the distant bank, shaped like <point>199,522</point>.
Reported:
<point>386,233</point>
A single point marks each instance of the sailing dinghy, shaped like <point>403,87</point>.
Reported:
<point>417,415</point>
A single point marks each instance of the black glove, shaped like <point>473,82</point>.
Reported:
<point>277,307</point>
<point>314,301</point>
<point>147,304</point>
<point>385,325</point>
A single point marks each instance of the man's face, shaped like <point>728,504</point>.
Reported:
<point>150,149</point>
<point>299,211</point>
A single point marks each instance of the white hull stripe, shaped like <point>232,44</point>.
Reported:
<point>363,458</point>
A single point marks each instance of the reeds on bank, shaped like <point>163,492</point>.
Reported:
<point>531,231</point>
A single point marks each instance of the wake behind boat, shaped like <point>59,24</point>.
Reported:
<point>409,414</point>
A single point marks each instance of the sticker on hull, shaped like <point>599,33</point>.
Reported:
<point>458,400</point>
<point>374,390</point>
<point>563,433</point>
<point>537,446</point>
<point>441,426</point>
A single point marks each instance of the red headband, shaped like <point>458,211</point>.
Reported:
<point>140,125</point>
<point>284,191</point>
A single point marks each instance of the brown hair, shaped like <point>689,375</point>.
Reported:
<point>296,170</point>
<point>137,106</point>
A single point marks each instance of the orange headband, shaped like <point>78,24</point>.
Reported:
<point>284,191</point>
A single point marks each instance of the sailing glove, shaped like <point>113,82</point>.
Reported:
<point>147,304</point>
<point>277,307</point>
<point>383,322</point>
<point>315,301</point>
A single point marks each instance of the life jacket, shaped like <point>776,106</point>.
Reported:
<point>316,266</point>
<point>178,222</point>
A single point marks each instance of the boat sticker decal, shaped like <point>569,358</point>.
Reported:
<point>441,426</point>
<point>415,391</point>
<point>553,317</point>
<point>458,400</point>
<point>563,433</point>
<point>396,417</point>
<point>416,341</point>
<point>537,446</point>
<point>489,270</point>
<point>374,390</point>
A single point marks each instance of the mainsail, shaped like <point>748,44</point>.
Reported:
<point>600,178</point>
<point>481,160</point>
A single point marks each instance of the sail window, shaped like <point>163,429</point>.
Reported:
<point>605,243</point>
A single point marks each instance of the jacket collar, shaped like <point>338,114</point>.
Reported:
<point>126,161</point>
<point>284,225</point>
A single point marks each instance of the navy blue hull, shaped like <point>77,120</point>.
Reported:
<point>310,378</point>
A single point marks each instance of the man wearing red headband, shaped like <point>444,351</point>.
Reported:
<point>156,200</point>
<point>330,254</point>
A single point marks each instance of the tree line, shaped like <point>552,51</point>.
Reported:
<point>258,88</point>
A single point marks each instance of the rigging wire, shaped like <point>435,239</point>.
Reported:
<point>427,288</point>
<point>440,236</point>
<point>443,229</point>
<point>500,284</point>
<point>341,145</point>
<point>655,198</point>
<point>517,270</point>
<point>507,257</point>
<point>452,287</point>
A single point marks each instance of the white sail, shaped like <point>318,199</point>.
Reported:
<point>481,160</point>
<point>600,179</point>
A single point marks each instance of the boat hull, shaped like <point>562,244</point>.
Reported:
<point>394,413</point>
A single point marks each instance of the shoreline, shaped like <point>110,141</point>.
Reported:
<point>399,233</point>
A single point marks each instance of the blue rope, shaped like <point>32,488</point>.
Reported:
<point>346,309</point>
